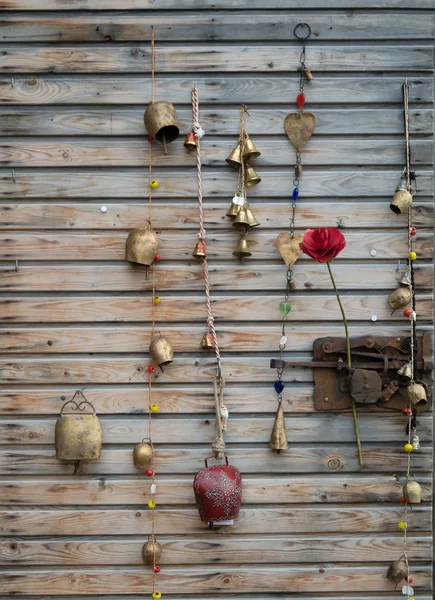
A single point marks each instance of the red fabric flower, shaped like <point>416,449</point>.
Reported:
<point>323,244</point>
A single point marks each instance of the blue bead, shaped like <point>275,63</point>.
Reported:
<point>279,386</point>
<point>295,194</point>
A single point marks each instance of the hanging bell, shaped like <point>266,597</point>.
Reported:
<point>251,177</point>
<point>401,202</point>
<point>207,341</point>
<point>249,150</point>
<point>161,121</point>
<point>412,491</point>
<point>308,75</point>
<point>241,219</point>
<point>405,371</point>
<point>151,553</point>
<point>235,158</point>
<point>400,298</point>
<point>242,248</point>
<point>278,439</point>
<point>141,246</point>
<point>161,351</point>
<point>406,279</point>
<point>200,249</point>
<point>417,395</point>
<point>218,492</point>
<point>397,571</point>
<point>233,210</point>
<point>250,216</point>
<point>191,141</point>
<point>78,436</point>
<point>142,455</point>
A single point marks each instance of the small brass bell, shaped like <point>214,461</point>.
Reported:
<point>235,158</point>
<point>400,298</point>
<point>278,439</point>
<point>251,219</point>
<point>241,219</point>
<point>78,436</point>
<point>308,75</point>
<point>412,492</point>
<point>397,571</point>
<point>141,246</point>
<point>242,248</point>
<point>200,249</point>
<point>151,553</point>
<point>207,341</point>
<point>406,278</point>
<point>233,210</point>
<point>191,141</point>
<point>142,455</point>
<point>161,351</point>
<point>417,395</point>
<point>161,122</point>
<point>405,371</point>
<point>251,177</point>
<point>389,390</point>
<point>249,150</point>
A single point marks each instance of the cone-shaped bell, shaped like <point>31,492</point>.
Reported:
<point>200,249</point>
<point>252,220</point>
<point>235,158</point>
<point>161,351</point>
<point>142,455</point>
<point>406,278</point>
<point>249,150</point>
<point>151,553</point>
<point>242,248</point>
<point>241,219</point>
<point>233,210</point>
<point>161,121</point>
<point>251,177</point>
<point>278,438</point>
<point>191,141</point>
<point>207,341</point>
<point>141,246</point>
<point>405,371</point>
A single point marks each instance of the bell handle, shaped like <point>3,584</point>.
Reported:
<point>80,406</point>
<point>208,458</point>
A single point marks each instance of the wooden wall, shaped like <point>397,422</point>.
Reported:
<point>74,83</point>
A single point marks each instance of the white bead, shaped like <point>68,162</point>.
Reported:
<point>153,488</point>
<point>407,590</point>
<point>372,252</point>
<point>239,200</point>
<point>374,318</point>
<point>103,209</point>
<point>414,315</point>
<point>283,340</point>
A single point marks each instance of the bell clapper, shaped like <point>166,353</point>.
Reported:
<point>165,148</point>
<point>76,468</point>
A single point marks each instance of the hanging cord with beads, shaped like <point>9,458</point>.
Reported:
<point>218,445</point>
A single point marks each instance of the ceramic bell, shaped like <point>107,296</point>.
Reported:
<point>78,436</point>
<point>218,492</point>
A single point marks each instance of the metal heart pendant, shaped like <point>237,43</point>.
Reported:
<point>289,247</point>
<point>299,128</point>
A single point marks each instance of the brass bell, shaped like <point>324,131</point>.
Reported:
<point>417,395</point>
<point>251,219</point>
<point>397,571</point>
<point>242,248</point>
<point>161,351</point>
<point>405,371</point>
<point>200,249</point>
<point>249,150</point>
<point>241,219</point>
<point>78,436</point>
<point>142,455</point>
<point>235,158</point>
<point>161,122</point>
<point>400,298</point>
<point>141,246</point>
<point>207,341</point>
<point>191,141</point>
<point>412,492</point>
<point>406,278</point>
<point>401,202</point>
<point>278,439</point>
<point>389,390</point>
<point>151,553</point>
<point>308,75</point>
<point>251,177</point>
<point>233,210</point>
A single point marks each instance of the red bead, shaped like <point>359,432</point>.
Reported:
<point>300,100</point>
<point>409,579</point>
<point>157,257</point>
<point>407,312</point>
<point>413,230</point>
<point>149,472</point>
<point>150,139</point>
<point>406,410</point>
<point>402,499</point>
<point>151,368</point>
<point>157,569</point>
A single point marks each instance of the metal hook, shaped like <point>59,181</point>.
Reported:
<point>13,176</point>
<point>302,25</point>
<point>16,266</point>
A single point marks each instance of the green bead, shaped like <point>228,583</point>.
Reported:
<point>285,307</point>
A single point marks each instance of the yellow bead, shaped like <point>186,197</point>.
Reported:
<point>151,504</point>
<point>413,255</point>
<point>154,184</point>
<point>401,525</point>
<point>154,407</point>
<point>407,447</point>
<point>157,300</point>
<point>157,595</point>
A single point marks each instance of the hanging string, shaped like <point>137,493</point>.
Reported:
<point>153,64</point>
<point>218,445</point>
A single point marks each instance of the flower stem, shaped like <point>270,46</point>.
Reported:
<point>349,362</point>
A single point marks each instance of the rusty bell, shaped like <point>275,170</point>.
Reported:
<point>218,492</point>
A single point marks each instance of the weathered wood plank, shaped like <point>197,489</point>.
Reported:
<point>217,183</point>
<point>360,214</point>
<point>173,246</point>
<point>136,89</point>
<point>215,120</point>
<point>279,152</point>
<point>125,309</point>
<point>259,520</point>
<point>300,458</point>
<point>226,550</point>
<point>200,58</point>
<point>120,277</point>
<point>203,580</point>
<point>323,427</point>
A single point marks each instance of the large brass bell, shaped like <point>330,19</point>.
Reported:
<point>235,157</point>
<point>251,177</point>
<point>141,246</point>
<point>249,150</point>
<point>161,351</point>
<point>242,250</point>
<point>242,218</point>
<point>78,436</point>
<point>250,216</point>
<point>412,492</point>
<point>397,571</point>
<point>161,122</point>
<point>142,455</point>
<point>417,395</point>
<point>151,553</point>
<point>278,439</point>
<point>400,298</point>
